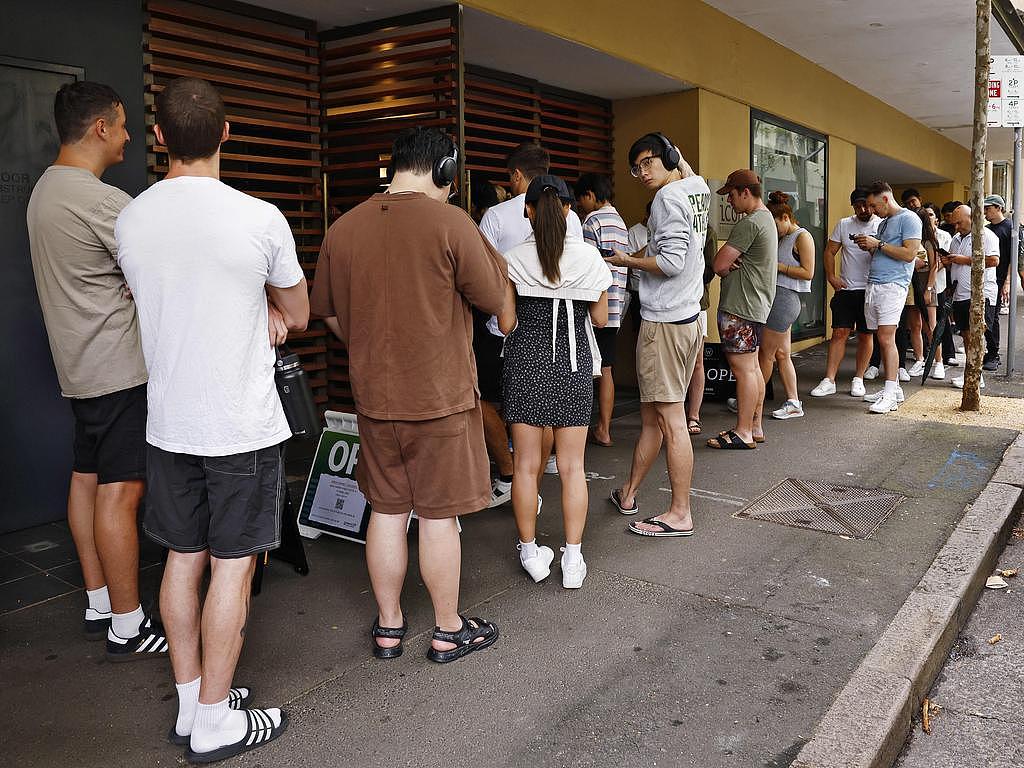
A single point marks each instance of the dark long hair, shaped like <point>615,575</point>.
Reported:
<point>549,231</point>
<point>928,230</point>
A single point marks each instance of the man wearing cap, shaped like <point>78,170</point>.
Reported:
<point>849,283</point>
<point>671,268</point>
<point>748,264</point>
<point>995,209</point>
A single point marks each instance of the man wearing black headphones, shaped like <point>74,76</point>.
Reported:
<point>396,278</point>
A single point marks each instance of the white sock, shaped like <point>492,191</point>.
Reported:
<point>126,625</point>
<point>891,387</point>
<point>572,553</point>
<point>99,603</point>
<point>188,700</point>
<point>527,549</point>
<point>217,725</point>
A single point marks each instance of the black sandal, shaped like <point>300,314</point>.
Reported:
<point>465,639</point>
<point>392,633</point>
<point>730,441</point>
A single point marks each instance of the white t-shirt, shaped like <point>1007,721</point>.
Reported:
<point>962,245</point>
<point>853,268</point>
<point>944,239</point>
<point>197,256</point>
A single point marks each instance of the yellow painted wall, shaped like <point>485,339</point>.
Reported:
<point>932,193</point>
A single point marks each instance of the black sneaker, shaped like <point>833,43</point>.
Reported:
<point>150,643</point>
<point>95,629</point>
<point>991,364</point>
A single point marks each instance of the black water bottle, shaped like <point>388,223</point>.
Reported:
<point>296,395</point>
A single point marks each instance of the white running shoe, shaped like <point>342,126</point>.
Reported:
<point>916,369</point>
<point>903,375</point>
<point>958,382</point>
<point>733,404</point>
<point>538,566</point>
<point>871,373</point>
<point>573,574</point>
<point>825,388</point>
<point>791,409</point>
<point>501,493</point>
<point>551,468</point>
<point>884,404</point>
<point>939,371</point>
<point>857,387</point>
<point>876,396</point>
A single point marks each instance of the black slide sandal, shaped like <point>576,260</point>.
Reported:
<point>465,639</point>
<point>665,532</point>
<point>391,633</point>
<point>259,730</point>
<point>730,441</point>
<point>235,701</point>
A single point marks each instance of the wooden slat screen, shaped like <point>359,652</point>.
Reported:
<point>266,67</point>
<point>377,79</point>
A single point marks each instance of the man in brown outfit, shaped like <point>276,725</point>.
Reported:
<point>395,281</point>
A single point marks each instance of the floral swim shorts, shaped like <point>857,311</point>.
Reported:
<point>738,334</point>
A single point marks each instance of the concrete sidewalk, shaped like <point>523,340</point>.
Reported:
<point>721,650</point>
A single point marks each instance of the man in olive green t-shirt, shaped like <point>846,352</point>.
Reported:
<point>747,264</point>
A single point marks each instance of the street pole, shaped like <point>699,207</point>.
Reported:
<point>1018,203</point>
<point>974,343</point>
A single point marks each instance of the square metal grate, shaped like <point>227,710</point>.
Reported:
<point>839,509</point>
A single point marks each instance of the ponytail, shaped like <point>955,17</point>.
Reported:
<point>549,227</point>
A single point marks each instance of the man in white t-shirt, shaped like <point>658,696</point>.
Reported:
<point>959,262</point>
<point>202,261</point>
<point>849,283</point>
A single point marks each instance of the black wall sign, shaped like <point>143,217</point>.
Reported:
<point>719,383</point>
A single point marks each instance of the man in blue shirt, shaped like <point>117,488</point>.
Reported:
<point>893,251</point>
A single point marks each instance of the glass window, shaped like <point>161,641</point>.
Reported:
<point>794,160</point>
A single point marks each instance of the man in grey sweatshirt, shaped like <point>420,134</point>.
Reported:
<point>670,269</point>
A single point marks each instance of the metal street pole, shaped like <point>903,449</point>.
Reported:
<point>1018,203</point>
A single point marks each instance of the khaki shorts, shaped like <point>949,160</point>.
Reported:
<point>665,356</point>
<point>437,467</point>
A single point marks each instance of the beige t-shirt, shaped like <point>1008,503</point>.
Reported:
<point>90,319</point>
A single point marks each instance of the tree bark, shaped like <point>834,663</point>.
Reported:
<point>975,343</point>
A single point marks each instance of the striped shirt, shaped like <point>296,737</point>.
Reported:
<point>606,230</point>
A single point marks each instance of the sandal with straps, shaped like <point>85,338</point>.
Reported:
<point>391,633</point>
<point>475,635</point>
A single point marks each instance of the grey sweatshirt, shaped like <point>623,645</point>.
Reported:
<point>678,226</point>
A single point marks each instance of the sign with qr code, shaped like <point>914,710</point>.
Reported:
<point>332,502</point>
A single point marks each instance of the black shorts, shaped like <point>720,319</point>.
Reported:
<point>489,363</point>
<point>848,311</point>
<point>230,505</point>
<point>110,435</point>
<point>962,315</point>
<point>606,343</point>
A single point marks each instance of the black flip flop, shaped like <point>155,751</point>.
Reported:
<point>259,730</point>
<point>665,532</point>
<point>616,499</point>
<point>464,639</point>
<point>392,633</point>
<point>730,441</point>
<point>235,701</point>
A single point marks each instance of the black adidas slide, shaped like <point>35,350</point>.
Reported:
<point>238,698</point>
<point>666,529</point>
<point>259,730</point>
<point>150,643</point>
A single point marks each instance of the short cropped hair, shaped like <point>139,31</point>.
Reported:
<point>484,194</point>
<point>418,149</point>
<point>908,193</point>
<point>530,159</point>
<point>190,113</point>
<point>80,104</point>
<point>600,185</point>
<point>646,143</point>
<point>950,206</point>
<point>879,188</point>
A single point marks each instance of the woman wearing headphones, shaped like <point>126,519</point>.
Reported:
<point>556,296</point>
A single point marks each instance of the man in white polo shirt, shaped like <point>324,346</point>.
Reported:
<point>959,263</point>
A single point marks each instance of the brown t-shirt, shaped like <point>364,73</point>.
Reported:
<point>90,319</point>
<point>400,273</point>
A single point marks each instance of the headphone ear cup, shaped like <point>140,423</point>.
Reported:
<point>673,158</point>
<point>445,171</point>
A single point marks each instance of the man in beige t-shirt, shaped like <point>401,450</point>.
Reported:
<point>94,338</point>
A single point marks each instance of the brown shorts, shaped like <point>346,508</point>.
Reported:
<point>437,467</point>
<point>665,356</point>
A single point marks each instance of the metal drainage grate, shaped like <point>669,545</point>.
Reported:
<point>839,509</point>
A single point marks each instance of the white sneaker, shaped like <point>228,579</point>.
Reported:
<point>791,409</point>
<point>903,375</point>
<point>1004,310</point>
<point>538,566</point>
<point>551,468</point>
<point>958,382</point>
<point>938,371</point>
<point>884,404</point>
<point>916,369</point>
<point>825,388</point>
<point>733,404</point>
<point>876,396</point>
<point>573,574</point>
<point>501,493</point>
<point>871,373</point>
<point>857,387</point>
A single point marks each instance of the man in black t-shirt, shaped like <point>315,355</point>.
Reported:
<point>998,223</point>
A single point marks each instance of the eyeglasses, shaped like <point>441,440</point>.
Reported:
<point>643,165</point>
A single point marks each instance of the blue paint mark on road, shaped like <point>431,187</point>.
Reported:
<point>963,470</point>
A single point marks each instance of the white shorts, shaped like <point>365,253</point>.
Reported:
<point>883,304</point>
<point>702,324</point>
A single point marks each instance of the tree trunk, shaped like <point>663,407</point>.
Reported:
<point>975,343</point>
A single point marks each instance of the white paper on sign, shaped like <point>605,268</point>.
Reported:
<point>1013,114</point>
<point>338,502</point>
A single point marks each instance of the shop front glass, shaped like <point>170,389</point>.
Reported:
<point>794,160</point>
